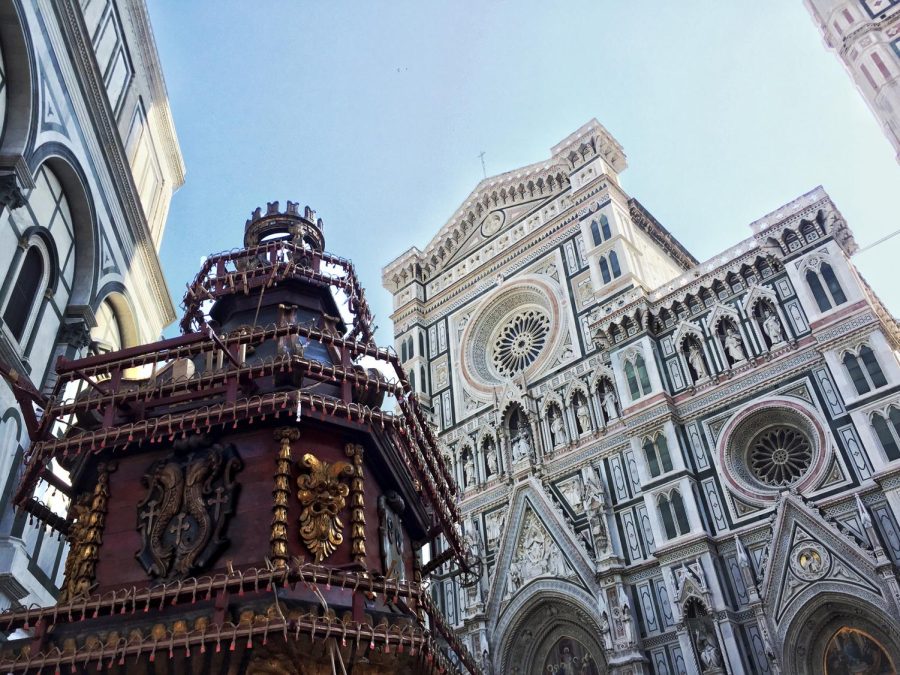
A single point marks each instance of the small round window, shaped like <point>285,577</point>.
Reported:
<point>519,341</point>
<point>780,455</point>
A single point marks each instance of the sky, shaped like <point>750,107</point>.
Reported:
<point>375,113</point>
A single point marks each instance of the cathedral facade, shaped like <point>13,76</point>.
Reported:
<point>865,36</point>
<point>668,466</point>
<point>89,161</point>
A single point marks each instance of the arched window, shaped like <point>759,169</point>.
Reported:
<point>614,264</point>
<point>595,233</point>
<point>604,271</point>
<point>423,380</point>
<point>864,370</point>
<point>643,377</point>
<point>24,293</point>
<point>637,377</point>
<point>887,428</point>
<point>421,344</point>
<point>673,516</point>
<point>604,225</point>
<point>412,381</point>
<point>658,458</point>
<point>409,347</point>
<point>825,287</point>
<point>403,355</point>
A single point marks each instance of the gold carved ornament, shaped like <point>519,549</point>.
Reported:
<point>322,497</point>
<point>85,537</point>
<point>280,494</point>
<point>357,514</point>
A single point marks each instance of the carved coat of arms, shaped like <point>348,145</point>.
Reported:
<point>182,518</point>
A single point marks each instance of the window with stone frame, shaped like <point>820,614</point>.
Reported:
<point>887,428</point>
<point>604,271</point>
<point>637,377</point>
<point>656,450</point>
<point>825,287</point>
<point>673,514</point>
<point>24,292</point>
<point>864,370</point>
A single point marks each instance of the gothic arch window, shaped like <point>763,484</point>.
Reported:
<point>595,233</point>
<point>604,226</point>
<point>423,380</point>
<point>614,265</point>
<point>791,242</point>
<point>409,347</point>
<point>403,355</point>
<point>421,344</point>
<point>637,377</point>
<point>412,380</point>
<point>887,428</point>
<point>656,450</point>
<point>864,370</point>
<point>825,287</point>
<point>808,231</point>
<point>604,271</point>
<point>673,514</point>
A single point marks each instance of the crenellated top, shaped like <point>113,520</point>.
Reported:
<point>780,235</point>
<point>542,180</point>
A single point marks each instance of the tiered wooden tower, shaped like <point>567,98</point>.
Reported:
<point>241,499</point>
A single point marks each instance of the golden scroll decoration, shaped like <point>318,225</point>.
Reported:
<point>357,514</point>
<point>280,495</point>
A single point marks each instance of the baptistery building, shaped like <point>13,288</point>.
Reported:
<point>89,160</point>
<point>666,465</point>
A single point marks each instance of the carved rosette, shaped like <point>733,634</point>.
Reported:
<point>86,536</point>
<point>357,514</point>
<point>279,538</point>
<point>322,495</point>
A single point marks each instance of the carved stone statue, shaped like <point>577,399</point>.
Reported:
<point>491,457</point>
<point>695,359</point>
<point>557,427</point>
<point>494,526</point>
<point>609,405</point>
<point>521,446</point>
<point>595,507</point>
<point>734,346</point>
<point>582,414</point>
<point>605,631</point>
<point>710,657</point>
<point>772,328</point>
<point>469,470</point>
<point>486,666</point>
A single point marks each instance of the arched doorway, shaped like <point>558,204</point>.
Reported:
<point>552,635</point>
<point>838,635</point>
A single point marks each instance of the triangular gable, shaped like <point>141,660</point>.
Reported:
<point>535,544</point>
<point>808,553</point>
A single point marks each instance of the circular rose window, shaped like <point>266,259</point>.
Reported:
<point>771,446</point>
<point>519,341</point>
<point>515,330</point>
<point>780,455</point>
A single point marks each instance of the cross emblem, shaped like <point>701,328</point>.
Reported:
<point>217,502</point>
<point>180,528</point>
<point>150,514</point>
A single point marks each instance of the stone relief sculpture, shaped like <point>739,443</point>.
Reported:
<point>536,555</point>
<point>595,507</point>
<point>490,453</point>
<point>610,405</point>
<point>493,523</point>
<point>710,657</point>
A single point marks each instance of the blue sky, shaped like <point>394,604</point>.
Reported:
<point>374,114</point>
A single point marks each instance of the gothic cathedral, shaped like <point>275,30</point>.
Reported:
<point>668,466</point>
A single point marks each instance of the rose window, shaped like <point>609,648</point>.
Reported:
<point>519,341</point>
<point>780,456</point>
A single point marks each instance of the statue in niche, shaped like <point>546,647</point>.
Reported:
<point>514,577</point>
<point>486,666</point>
<point>491,456</point>
<point>582,414</point>
<point>595,507</point>
<point>772,328</point>
<point>605,631</point>
<point>469,470</point>
<point>557,427</point>
<point>734,346</point>
<point>494,526</point>
<point>520,433</point>
<point>695,359</point>
<point>610,404</point>
<point>710,657</point>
